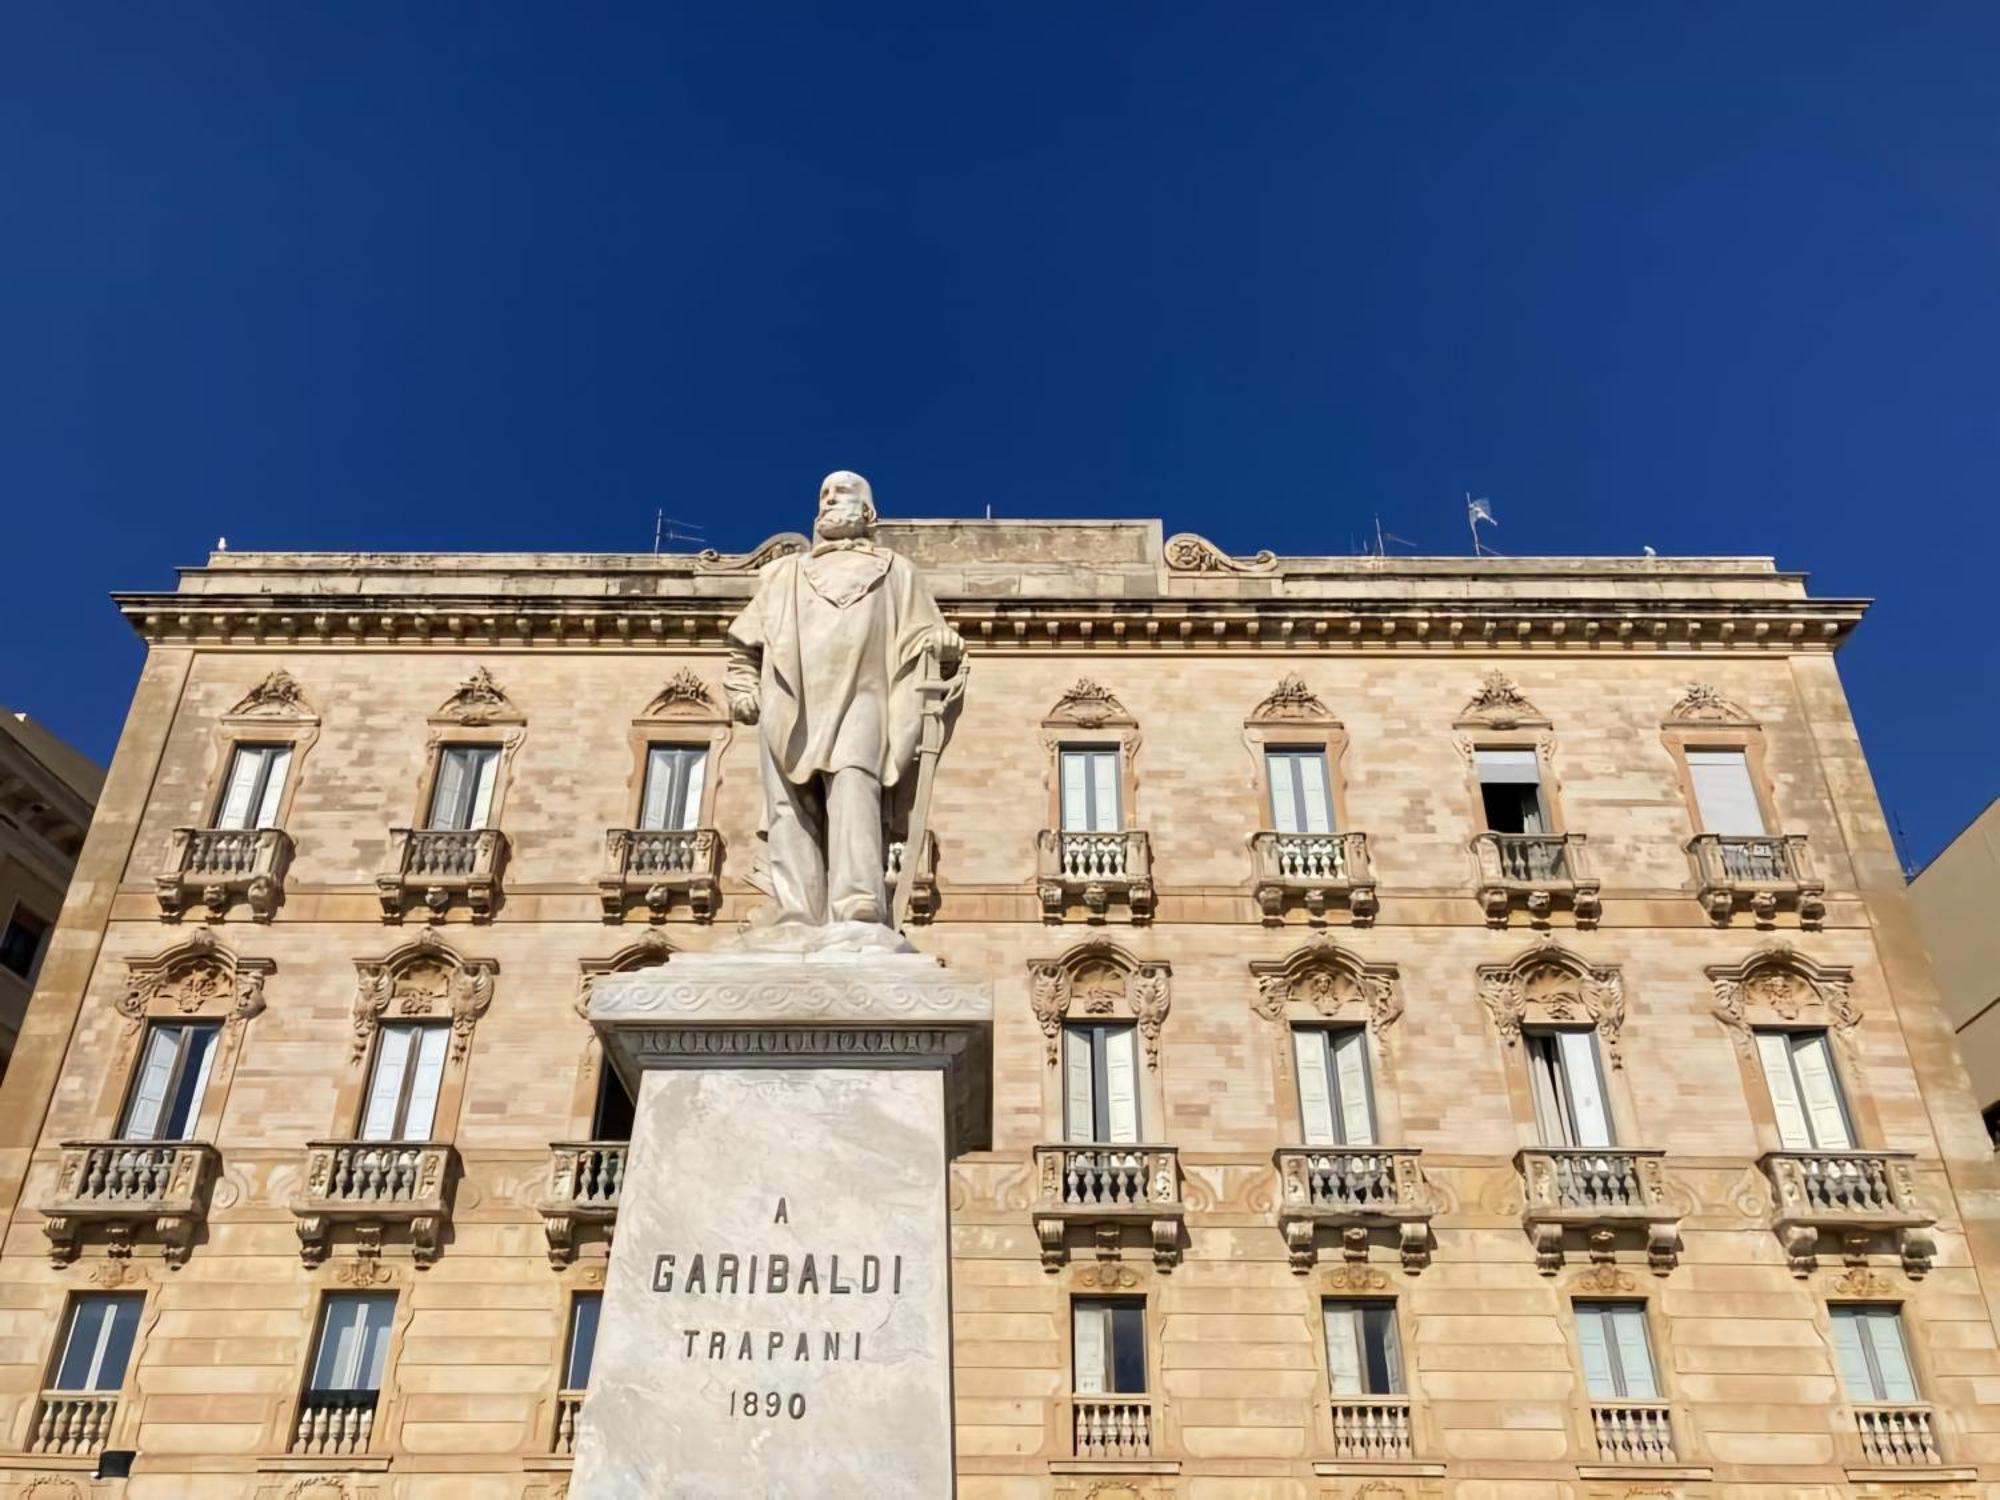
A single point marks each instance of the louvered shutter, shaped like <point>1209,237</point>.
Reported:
<point>236,798</point>
<point>1599,1375</point>
<point>422,1112</point>
<point>1774,1051</point>
<point>1121,1084</point>
<point>1586,1087</point>
<point>280,766</point>
<point>1091,1324</point>
<point>1350,1065</point>
<point>1079,1097</point>
<point>1315,1087</point>
<point>1723,793</point>
<point>1820,1092</point>
<point>1343,1349</point>
<point>142,1117</point>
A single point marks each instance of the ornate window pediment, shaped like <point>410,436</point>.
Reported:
<point>1549,985</point>
<point>423,978</point>
<point>197,978</point>
<point>478,702</point>
<point>1096,980</point>
<point>1291,701</point>
<point>1703,703</point>
<point>1324,980</point>
<point>685,696</point>
<point>1777,985</point>
<point>1500,704</point>
<point>1088,705</point>
<point>278,696</point>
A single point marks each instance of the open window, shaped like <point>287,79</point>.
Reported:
<point>462,794</point>
<point>165,1101</point>
<point>1109,1345</point>
<point>404,1081</point>
<point>1874,1356</point>
<point>1091,801</point>
<point>1567,1082</point>
<point>1336,1097</point>
<point>1805,1091</point>
<point>675,774</point>
<point>1301,789</point>
<point>97,1344</point>
<point>1510,791</point>
<point>1364,1356</point>
<point>253,792</point>
<point>1101,1083</point>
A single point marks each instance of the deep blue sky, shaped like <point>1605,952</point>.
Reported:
<point>1710,278</point>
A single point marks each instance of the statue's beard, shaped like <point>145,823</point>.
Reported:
<point>832,528</point>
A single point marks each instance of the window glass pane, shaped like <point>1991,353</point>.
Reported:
<point>101,1333</point>
<point>1091,1331</point>
<point>584,1310</point>
<point>277,767</point>
<point>149,1095</point>
<point>1884,1326</point>
<point>1850,1347</point>
<point>184,1108</point>
<point>385,1088</point>
<point>1597,1344</point>
<point>421,1114</point>
<point>353,1342</point>
<point>1128,1348</point>
<point>1723,794</point>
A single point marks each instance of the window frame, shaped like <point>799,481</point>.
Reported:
<point>1099,1031</point>
<point>260,791</point>
<point>1743,735</point>
<point>66,1332</point>
<point>1326,1031</point>
<point>316,1342</point>
<point>1363,1307</point>
<point>1899,1314</point>
<point>404,1094</point>
<point>1532,1038</point>
<point>695,778</point>
<point>1606,1307</point>
<point>572,1314</point>
<point>434,784</point>
<point>210,1066</point>
<point>1120,820</point>
<point>1544,794</point>
<point>1114,1304</point>
<point>1842,1093</point>
<point>38,952</point>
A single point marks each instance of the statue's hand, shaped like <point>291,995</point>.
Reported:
<point>743,707</point>
<point>946,642</point>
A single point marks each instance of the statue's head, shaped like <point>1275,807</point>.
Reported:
<point>846,507</point>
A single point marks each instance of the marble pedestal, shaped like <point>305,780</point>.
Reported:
<point>777,1310</point>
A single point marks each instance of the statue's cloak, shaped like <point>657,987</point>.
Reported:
<point>842,631</point>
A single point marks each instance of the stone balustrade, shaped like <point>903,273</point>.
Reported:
<point>334,1424</point>
<point>1601,1191</point>
<point>73,1422</point>
<point>1537,872</point>
<point>125,1189</point>
<point>1313,870</point>
<point>653,866</point>
<point>218,867</point>
<point>1858,1195</point>
<point>569,1406</point>
<point>1113,1427</point>
<point>373,1186</point>
<point>1352,1190</point>
<point>435,866</point>
<point>584,1182</point>
<point>1763,874</point>
<point>1896,1434</point>
<point>1372,1427</point>
<point>1108,1188</point>
<point>1633,1432</point>
<point>1093,870</point>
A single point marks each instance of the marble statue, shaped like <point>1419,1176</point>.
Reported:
<point>837,660</point>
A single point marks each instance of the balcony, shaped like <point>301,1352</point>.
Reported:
<point>1108,1188</point>
<point>73,1422</point>
<point>569,1406</point>
<point>1352,1189</point>
<point>1761,875</point>
<point>1312,870</point>
<point>1633,1432</point>
<point>1896,1436</point>
<point>433,866</point>
<point>217,867</point>
<point>654,865</point>
<point>1601,1191</point>
<point>1372,1427</point>
<point>584,1179</point>
<point>122,1189</point>
<point>923,878</point>
<point>1114,1427</point>
<point>1092,870</point>
<point>1858,1195</point>
<point>374,1186</point>
<point>1537,872</point>
<point>335,1424</point>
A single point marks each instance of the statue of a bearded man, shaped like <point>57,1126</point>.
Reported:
<point>827,659</point>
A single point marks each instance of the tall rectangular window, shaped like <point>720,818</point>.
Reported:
<point>615,1113</point>
<point>674,776</point>
<point>463,795</point>
<point>21,944</point>
<point>1723,794</point>
<point>584,1309</point>
<point>1109,1336</point>
<point>1101,1084</point>
<point>1301,795</point>
<point>1805,1091</point>
<point>1336,1103</point>
<point>1617,1355</point>
<point>1090,789</point>
<point>1874,1360</point>
<point>1510,790</point>
<point>1568,1086</point>
<point>403,1085</point>
<point>255,786</point>
<point>98,1344</point>
<point>1364,1357</point>
<point>353,1346</point>
<point>165,1104</point>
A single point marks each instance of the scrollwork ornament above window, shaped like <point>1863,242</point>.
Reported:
<point>1549,984</point>
<point>1779,985</point>
<point>1323,979</point>
<point>278,696</point>
<point>684,696</point>
<point>1703,703</point>
<point>1088,705</point>
<point>422,979</point>
<point>1096,980</point>
<point>197,978</point>
<point>1500,704</point>
<point>1292,700</point>
<point>478,702</point>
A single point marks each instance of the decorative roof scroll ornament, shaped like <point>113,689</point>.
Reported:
<point>1703,702</point>
<point>1188,553</point>
<point>684,692</point>
<point>479,700</point>
<point>784,544</point>
<point>1549,983</point>
<point>1500,704</point>
<point>1779,982</point>
<point>1292,699</point>
<point>278,696</point>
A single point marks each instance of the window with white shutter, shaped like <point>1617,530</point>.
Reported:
<point>1510,791</point>
<point>1724,797</point>
<point>254,787</point>
<point>1108,1346</point>
<point>165,1104</point>
<point>1805,1091</point>
<point>1874,1359</point>
<point>463,795</point>
<point>1336,1099</point>
<point>1568,1088</point>
<point>1301,794</point>
<point>1090,789</point>
<point>674,777</point>
<point>1364,1356</point>
<point>403,1083</point>
<point>1617,1354</point>
<point>1101,1083</point>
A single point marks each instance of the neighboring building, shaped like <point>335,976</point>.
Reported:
<point>1957,900</point>
<point>1460,1031</point>
<point>47,790</point>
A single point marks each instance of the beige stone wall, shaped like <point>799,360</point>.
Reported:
<point>1238,1379</point>
<point>1957,901</point>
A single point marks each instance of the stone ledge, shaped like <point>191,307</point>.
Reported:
<point>325,1463</point>
<point>1115,1466</point>
<point>66,1463</point>
<point>1695,1472</point>
<point>1358,1468</point>
<point>1915,1474</point>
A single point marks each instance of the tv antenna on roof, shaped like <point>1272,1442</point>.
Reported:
<point>667,529</point>
<point>1383,538</point>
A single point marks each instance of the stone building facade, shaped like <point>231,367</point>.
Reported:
<point>1957,901</point>
<point>1460,1031</point>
